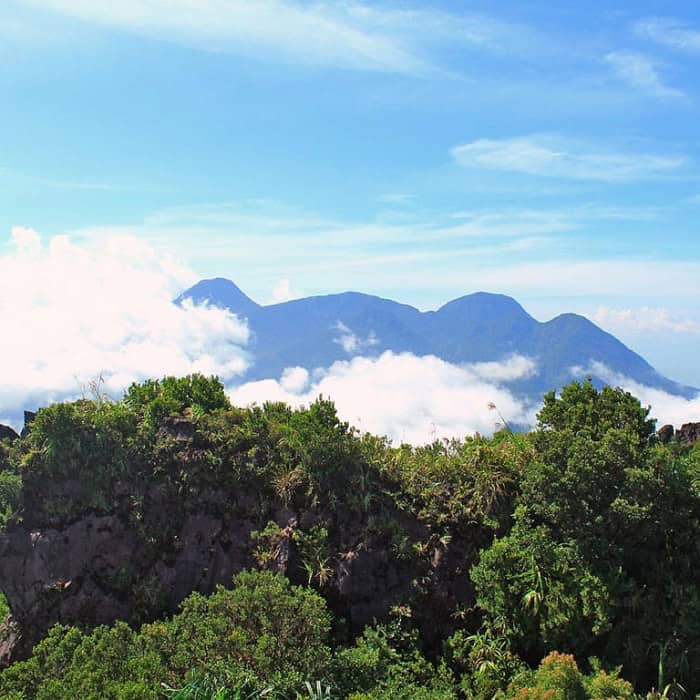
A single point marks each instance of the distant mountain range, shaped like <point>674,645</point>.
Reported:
<point>318,331</point>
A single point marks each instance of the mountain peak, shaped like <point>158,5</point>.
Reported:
<point>223,293</point>
<point>484,306</point>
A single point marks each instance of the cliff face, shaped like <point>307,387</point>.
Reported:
<point>145,544</point>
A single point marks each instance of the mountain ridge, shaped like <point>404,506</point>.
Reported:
<point>319,330</point>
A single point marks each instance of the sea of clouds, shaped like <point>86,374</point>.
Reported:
<point>75,312</point>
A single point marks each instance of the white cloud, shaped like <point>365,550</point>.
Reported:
<point>72,312</point>
<point>666,408</point>
<point>641,72</point>
<point>353,35</point>
<point>551,156</point>
<point>515,367</point>
<point>644,319</point>
<point>283,291</point>
<point>408,398</point>
<point>294,380</point>
<point>669,32</point>
<point>26,240</point>
<point>350,342</point>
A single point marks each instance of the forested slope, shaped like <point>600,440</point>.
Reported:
<point>171,544</point>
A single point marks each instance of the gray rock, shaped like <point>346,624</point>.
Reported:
<point>29,417</point>
<point>9,639</point>
<point>7,433</point>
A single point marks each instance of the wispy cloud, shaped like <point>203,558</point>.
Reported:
<point>517,251</point>
<point>552,156</point>
<point>355,35</point>
<point>643,319</point>
<point>352,343</point>
<point>641,72</point>
<point>235,232</point>
<point>669,32</point>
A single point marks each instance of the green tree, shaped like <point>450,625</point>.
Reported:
<point>589,566</point>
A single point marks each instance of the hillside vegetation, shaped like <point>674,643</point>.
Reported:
<point>172,545</point>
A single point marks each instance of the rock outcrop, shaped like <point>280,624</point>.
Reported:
<point>665,434</point>
<point>29,417</point>
<point>688,434</point>
<point>7,433</point>
<point>160,539</point>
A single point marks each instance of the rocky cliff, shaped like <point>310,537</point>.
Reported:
<point>132,549</point>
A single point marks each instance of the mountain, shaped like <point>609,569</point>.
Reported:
<point>318,331</point>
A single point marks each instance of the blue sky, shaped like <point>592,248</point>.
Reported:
<point>415,150</point>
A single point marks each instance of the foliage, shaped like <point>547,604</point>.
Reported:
<point>219,683</point>
<point>453,484</point>
<point>262,633</point>
<point>506,559</point>
<point>558,678</point>
<point>485,661</point>
<point>589,565</point>
<point>106,663</point>
<point>315,554</point>
<point>10,489</point>
<point>387,662</point>
<point>277,631</point>
<point>154,400</point>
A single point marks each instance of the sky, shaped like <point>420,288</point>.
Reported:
<point>415,150</point>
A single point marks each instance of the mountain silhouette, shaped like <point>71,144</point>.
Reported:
<point>317,331</point>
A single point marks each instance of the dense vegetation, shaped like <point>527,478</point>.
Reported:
<point>561,564</point>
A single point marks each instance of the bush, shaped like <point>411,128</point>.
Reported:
<point>153,400</point>
<point>105,663</point>
<point>277,631</point>
<point>558,678</point>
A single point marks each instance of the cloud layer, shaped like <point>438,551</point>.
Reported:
<point>666,408</point>
<point>71,313</point>
<point>408,398</point>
